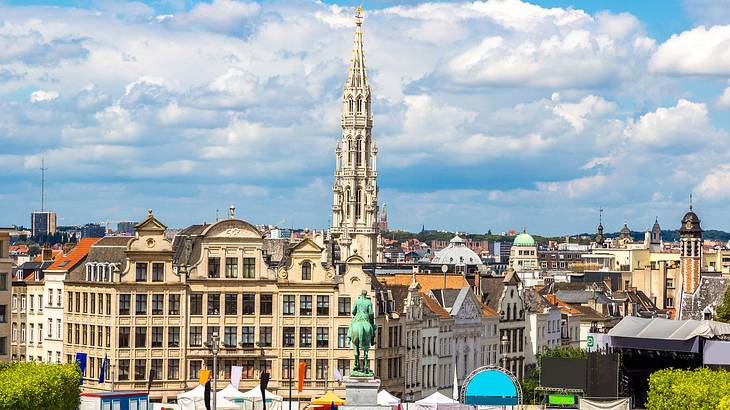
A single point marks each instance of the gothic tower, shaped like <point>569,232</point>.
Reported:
<point>355,191</point>
<point>690,241</point>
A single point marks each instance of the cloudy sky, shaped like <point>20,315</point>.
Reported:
<point>488,115</point>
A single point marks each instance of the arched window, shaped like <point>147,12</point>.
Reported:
<point>88,272</point>
<point>358,154</point>
<point>509,311</point>
<point>306,271</point>
<point>358,202</point>
<point>359,105</point>
<point>346,208</point>
<point>351,104</point>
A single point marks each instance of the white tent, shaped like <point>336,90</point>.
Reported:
<point>387,399</point>
<point>195,400</point>
<point>437,401</point>
<point>252,399</point>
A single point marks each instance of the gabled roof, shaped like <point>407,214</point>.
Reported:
<point>79,252</point>
<point>434,307</point>
<point>564,307</point>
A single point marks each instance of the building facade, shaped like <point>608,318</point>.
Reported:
<point>6,266</point>
<point>43,223</point>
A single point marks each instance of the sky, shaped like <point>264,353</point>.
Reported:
<point>494,115</point>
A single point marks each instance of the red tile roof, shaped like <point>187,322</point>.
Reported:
<point>434,307</point>
<point>67,262</point>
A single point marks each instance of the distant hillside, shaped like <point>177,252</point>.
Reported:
<point>672,235</point>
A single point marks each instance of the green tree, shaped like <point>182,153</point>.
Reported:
<point>31,385</point>
<point>723,311</point>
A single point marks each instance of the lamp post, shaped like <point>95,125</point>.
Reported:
<point>214,348</point>
<point>505,343</point>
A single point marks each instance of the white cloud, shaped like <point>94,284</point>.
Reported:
<point>685,125</point>
<point>590,106</point>
<point>714,186</point>
<point>43,96</point>
<point>724,100</point>
<point>700,51</point>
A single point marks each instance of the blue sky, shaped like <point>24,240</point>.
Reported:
<point>488,115</point>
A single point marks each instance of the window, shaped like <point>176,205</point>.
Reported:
<point>156,369</point>
<point>231,267</point>
<point>248,369</point>
<point>141,272</point>
<point>140,336</point>
<point>342,340</point>
<point>194,369</point>
<point>140,369</point>
<point>305,337</point>
<point>343,306</point>
<point>214,267</point>
<point>668,302</point>
<point>321,373</point>
<point>173,304</point>
<point>196,336</point>
<point>196,304</point>
<point>287,369</point>
<point>3,281</point>
<point>214,303</point>
<point>70,301</point>
<point>229,336</point>
<point>123,365</point>
<point>265,304</point>
<point>212,330</point>
<point>323,337</point>
<point>123,337</point>
<point>670,283</point>
<point>247,336</point>
<point>231,304</point>
<point>69,333</point>
<point>306,271</point>
<point>50,296</point>
<point>124,301</point>
<point>343,365</point>
<point>158,273</point>
<point>108,336</point>
<point>265,336</point>
<point>173,336</point>
<point>158,304</point>
<point>173,369</point>
<point>3,346</point>
<point>3,314</point>
<point>323,305</point>
<point>140,305</point>
<point>249,304</point>
<point>308,367</point>
<point>249,268</point>
<point>157,332</point>
<point>305,305</point>
<point>99,333</point>
<point>108,304</point>
<point>86,302</point>
<point>289,305</point>
<point>288,337</point>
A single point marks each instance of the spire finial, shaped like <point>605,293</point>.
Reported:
<point>358,15</point>
<point>600,216</point>
<point>690,201</point>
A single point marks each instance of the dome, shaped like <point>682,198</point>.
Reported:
<point>457,253</point>
<point>625,232</point>
<point>690,224</point>
<point>524,239</point>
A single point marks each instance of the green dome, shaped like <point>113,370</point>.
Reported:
<point>524,239</point>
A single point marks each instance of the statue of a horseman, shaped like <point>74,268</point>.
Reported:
<point>361,332</point>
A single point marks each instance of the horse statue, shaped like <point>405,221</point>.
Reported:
<point>361,332</point>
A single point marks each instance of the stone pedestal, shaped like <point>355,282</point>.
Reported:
<point>361,393</point>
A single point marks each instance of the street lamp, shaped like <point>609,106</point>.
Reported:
<point>214,348</point>
<point>505,344</point>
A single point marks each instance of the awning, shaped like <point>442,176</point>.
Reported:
<point>664,334</point>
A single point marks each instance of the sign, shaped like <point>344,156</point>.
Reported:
<point>561,400</point>
<point>597,342</point>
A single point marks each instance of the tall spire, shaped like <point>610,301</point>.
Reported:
<point>690,201</point>
<point>357,77</point>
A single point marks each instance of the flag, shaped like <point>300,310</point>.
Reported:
<point>236,372</point>
<point>102,371</point>
<point>206,394</point>
<point>151,379</point>
<point>338,376</point>
<point>81,360</point>
<point>455,393</point>
<point>332,405</point>
<point>302,372</point>
<point>204,376</point>
<point>263,385</point>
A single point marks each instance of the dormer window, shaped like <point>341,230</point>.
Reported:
<point>306,271</point>
<point>89,267</point>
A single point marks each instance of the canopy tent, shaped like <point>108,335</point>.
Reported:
<point>387,399</point>
<point>329,398</point>
<point>194,400</point>
<point>437,401</point>
<point>231,393</point>
<point>252,399</point>
<point>664,334</point>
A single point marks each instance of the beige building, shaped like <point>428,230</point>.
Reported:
<point>6,265</point>
<point>523,254</point>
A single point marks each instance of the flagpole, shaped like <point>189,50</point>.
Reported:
<point>112,371</point>
<point>291,381</point>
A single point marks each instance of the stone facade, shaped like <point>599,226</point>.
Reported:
<point>5,295</point>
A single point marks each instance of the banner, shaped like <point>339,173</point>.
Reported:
<point>204,376</point>
<point>263,385</point>
<point>102,371</point>
<point>236,372</point>
<point>206,394</point>
<point>338,376</point>
<point>81,360</point>
<point>621,404</point>
<point>302,372</point>
<point>151,378</point>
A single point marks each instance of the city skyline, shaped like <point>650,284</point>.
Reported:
<point>487,122</point>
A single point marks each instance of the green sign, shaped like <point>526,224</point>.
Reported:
<point>561,400</point>
<point>591,341</point>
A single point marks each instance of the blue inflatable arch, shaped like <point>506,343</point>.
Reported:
<point>491,386</point>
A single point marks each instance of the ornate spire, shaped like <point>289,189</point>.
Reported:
<point>357,77</point>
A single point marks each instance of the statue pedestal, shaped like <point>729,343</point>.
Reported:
<point>361,393</point>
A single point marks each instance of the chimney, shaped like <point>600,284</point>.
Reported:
<point>46,252</point>
<point>67,247</point>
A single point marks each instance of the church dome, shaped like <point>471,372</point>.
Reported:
<point>524,239</point>
<point>457,253</point>
<point>625,232</point>
<point>690,224</point>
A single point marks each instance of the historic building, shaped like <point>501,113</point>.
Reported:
<point>5,295</point>
<point>355,190</point>
<point>523,255</point>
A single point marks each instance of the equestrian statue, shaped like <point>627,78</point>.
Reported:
<point>361,332</point>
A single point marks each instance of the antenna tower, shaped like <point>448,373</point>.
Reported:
<point>43,184</point>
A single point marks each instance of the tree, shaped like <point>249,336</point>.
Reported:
<point>723,311</point>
